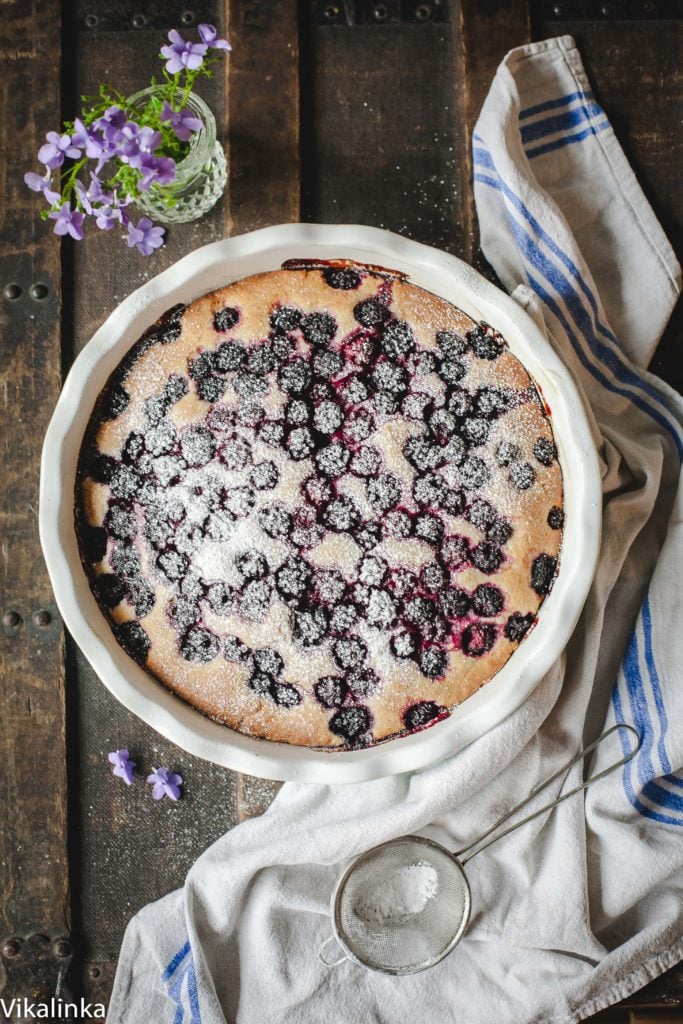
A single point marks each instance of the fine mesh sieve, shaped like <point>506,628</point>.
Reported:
<point>427,883</point>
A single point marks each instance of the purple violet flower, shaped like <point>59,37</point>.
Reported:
<point>68,222</point>
<point>145,236</point>
<point>123,766</point>
<point>38,184</point>
<point>209,35</point>
<point>56,149</point>
<point>165,783</point>
<point>183,122</point>
<point>181,54</point>
<point>156,170</point>
<point>111,122</point>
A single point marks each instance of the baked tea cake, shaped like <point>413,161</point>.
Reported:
<point>321,505</point>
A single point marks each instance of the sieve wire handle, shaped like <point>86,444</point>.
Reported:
<point>539,789</point>
<point>330,963</point>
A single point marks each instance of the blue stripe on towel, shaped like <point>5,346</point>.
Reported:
<point>612,357</point>
<point>175,979</point>
<point>567,140</point>
<point>559,123</point>
<point>176,961</point>
<point>654,683</point>
<point>563,101</point>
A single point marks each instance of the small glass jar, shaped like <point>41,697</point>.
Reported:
<point>201,176</point>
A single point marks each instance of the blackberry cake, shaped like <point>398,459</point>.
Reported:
<point>321,505</point>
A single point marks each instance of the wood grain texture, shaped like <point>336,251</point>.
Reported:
<point>34,890</point>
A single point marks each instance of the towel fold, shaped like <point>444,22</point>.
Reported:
<point>584,905</point>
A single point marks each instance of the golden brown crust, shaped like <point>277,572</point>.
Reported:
<point>224,689</point>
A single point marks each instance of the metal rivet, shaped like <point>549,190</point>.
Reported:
<point>423,12</point>
<point>38,291</point>
<point>94,972</point>
<point>11,620</point>
<point>606,10</point>
<point>558,10</point>
<point>380,13</point>
<point>91,20</point>
<point>12,291</point>
<point>61,948</point>
<point>42,618</point>
<point>139,21</point>
<point>187,17</point>
<point>11,948</point>
<point>331,12</point>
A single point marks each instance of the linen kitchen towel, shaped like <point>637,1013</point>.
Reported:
<point>582,906</point>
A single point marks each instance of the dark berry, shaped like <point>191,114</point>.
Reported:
<point>419,612</point>
<point>133,639</point>
<point>421,714</point>
<point>269,661</point>
<point>385,403</point>
<point>327,417</point>
<point>381,610</point>
<point>333,460</point>
<point>363,682</point>
<point>282,345</point>
<point>275,520</point>
<point>309,626</point>
<point>235,452</point>
<point>368,536</point>
<point>397,339</point>
<point>109,590</point>
<point>158,531</point>
<point>124,483</point>
<point>197,446</point>
<point>384,491</point>
<point>229,356</point>
<point>260,683</point>
<point>499,531</point>
<point>359,348</point>
<point>170,327</point>
<point>318,328</point>
<point>522,475</point>
<point>272,433</point>
<point>182,612</point>
<point>327,363</point>
<point>239,501</point>
<point>264,476</point>
<point>133,449</point>
<point>481,514</point>
<point>453,452</point>
<point>292,578</point>
<point>225,319</point>
<point>433,578</point>
<point>545,451</point>
<point>285,695</point>
<point>478,638</point>
<point>317,490</point>
<point>331,691</point>
<point>451,344</point>
<point>475,430</point>
<point>219,525</point>
<point>486,556</point>
<point>474,472</point>
<point>341,515</point>
<point>210,389</point>
<point>397,523</point>
<point>358,426</point>
<point>297,412</point>
<point>422,362</point>
<point>485,342</point>
<point>543,573</point>
<point>343,278</point>
<point>114,402</point>
<point>125,561</point>
<point>492,401</point>
<point>199,644</point>
<point>487,600</point>
<point>372,570</point>
<point>328,586</point>
<point>403,644</point>
<point>453,502</point>
<point>235,650</point>
<point>350,723</point>
<point>349,652</point>
<point>221,597</point>
<point>389,377</point>
<point>455,603</point>
<point>255,599</point>
<point>460,402</point>
<point>421,453</point>
<point>507,452</point>
<point>300,443</point>
<point>354,389</point>
<point>556,518</point>
<point>262,358</point>
<point>517,626</point>
<point>451,370</point>
<point>442,424</point>
<point>94,541</point>
<point>428,527</point>
<point>416,406</point>
<point>360,592</point>
<point>433,662</point>
<point>252,564</point>
<point>371,312</point>
<point>429,490</point>
<point>220,419</point>
<point>169,469</point>
<point>342,618</point>
<point>402,582</point>
<point>367,461</point>
<point>172,564</point>
<point>285,318</point>
<point>306,532</point>
<point>248,385</point>
<point>120,521</point>
<point>176,388</point>
<point>204,365</point>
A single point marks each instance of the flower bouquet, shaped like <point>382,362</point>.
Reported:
<point>156,149</point>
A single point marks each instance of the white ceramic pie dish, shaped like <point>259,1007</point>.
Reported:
<point>214,266</point>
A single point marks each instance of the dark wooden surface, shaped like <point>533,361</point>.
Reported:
<point>330,111</point>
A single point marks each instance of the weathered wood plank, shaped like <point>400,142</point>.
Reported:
<point>34,890</point>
